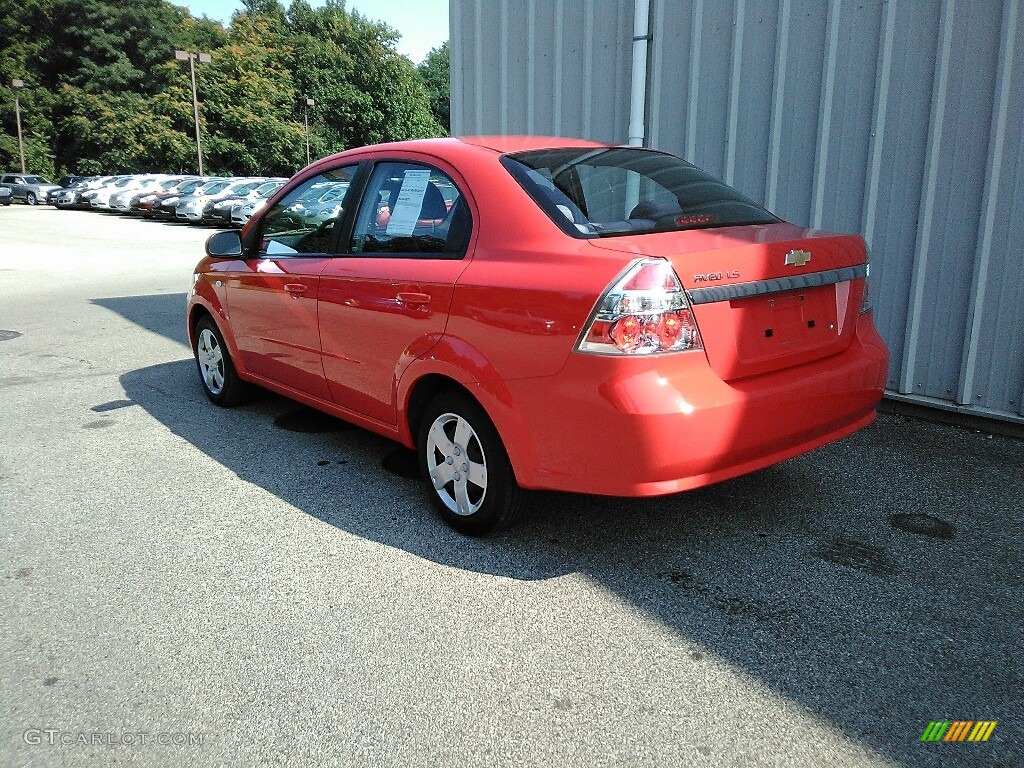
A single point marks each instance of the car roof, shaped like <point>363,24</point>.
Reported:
<point>460,145</point>
<point>505,144</point>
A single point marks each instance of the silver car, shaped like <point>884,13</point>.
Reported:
<point>25,187</point>
<point>196,207</point>
<point>223,209</point>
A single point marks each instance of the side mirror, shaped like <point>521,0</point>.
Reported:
<point>224,245</point>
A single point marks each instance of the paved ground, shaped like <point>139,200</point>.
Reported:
<point>256,577</point>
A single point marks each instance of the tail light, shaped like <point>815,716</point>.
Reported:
<point>645,311</point>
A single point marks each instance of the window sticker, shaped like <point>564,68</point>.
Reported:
<point>276,248</point>
<point>409,204</point>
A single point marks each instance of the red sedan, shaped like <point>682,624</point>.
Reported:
<point>535,313</point>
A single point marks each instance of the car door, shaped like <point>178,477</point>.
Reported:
<point>272,296</point>
<point>17,185</point>
<point>384,301</point>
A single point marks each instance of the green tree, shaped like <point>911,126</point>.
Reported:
<point>434,74</point>
<point>365,91</point>
<point>103,92</point>
<point>37,131</point>
<point>122,133</point>
<point>248,99</point>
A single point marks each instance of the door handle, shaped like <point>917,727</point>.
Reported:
<point>414,298</point>
<point>295,289</point>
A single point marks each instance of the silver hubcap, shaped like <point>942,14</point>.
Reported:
<point>456,464</point>
<point>211,361</point>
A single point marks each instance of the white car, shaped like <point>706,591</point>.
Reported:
<point>101,200</point>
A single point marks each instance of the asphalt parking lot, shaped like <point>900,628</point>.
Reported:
<point>186,585</point>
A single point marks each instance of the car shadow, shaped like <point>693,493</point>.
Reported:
<point>161,313</point>
<point>857,581</point>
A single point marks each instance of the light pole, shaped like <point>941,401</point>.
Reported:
<point>18,85</point>
<point>305,116</point>
<point>204,58</point>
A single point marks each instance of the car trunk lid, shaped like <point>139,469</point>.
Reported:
<point>764,297</point>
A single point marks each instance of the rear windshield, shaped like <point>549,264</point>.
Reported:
<point>623,190</point>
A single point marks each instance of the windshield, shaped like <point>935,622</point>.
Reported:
<point>624,190</point>
<point>35,180</point>
<point>244,187</point>
<point>212,187</point>
<point>268,188</point>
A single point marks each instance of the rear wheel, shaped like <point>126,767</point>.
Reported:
<point>30,198</point>
<point>216,371</point>
<point>472,484</point>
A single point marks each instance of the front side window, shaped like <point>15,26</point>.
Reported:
<point>622,190</point>
<point>303,221</point>
<point>412,209</point>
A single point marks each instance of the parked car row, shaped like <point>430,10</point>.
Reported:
<point>204,200</point>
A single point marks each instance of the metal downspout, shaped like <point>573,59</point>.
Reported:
<point>638,92</point>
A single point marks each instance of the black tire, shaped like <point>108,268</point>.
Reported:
<point>216,371</point>
<point>462,503</point>
<point>30,198</point>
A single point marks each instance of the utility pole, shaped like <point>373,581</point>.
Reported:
<point>18,85</point>
<point>305,116</point>
<point>204,58</point>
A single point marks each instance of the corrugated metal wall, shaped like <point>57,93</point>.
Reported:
<point>903,120</point>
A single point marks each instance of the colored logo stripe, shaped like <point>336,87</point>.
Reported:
<point>982,730</point>
<point>935,731</point>
<point>959,730</point>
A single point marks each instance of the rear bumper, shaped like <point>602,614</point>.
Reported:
<point>645,427</point>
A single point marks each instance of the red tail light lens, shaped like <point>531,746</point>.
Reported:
<point>627,333</point>
<point>643,312</point>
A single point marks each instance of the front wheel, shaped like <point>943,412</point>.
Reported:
<point>30,198</point>
<point>216,371</point>
<point>472,484</point>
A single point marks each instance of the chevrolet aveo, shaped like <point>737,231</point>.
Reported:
<point>534,313</point>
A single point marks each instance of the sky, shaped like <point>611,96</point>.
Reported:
<point>423,24</point>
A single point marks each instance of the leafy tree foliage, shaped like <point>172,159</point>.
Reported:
<point>364,91</point>
<point>105,94</point>
<point>433,73</point>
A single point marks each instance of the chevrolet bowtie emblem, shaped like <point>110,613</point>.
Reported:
<point>797,258</point>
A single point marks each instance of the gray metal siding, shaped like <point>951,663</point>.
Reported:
<point>541,67</point>
<point>895,180</point>
<point>949,213</point>
<point>995,329</point>
<point>902,120</point>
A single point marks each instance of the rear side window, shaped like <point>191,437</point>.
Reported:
<point>411,209</point>
<point>612,191</point>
